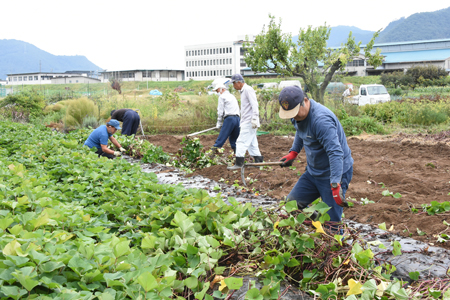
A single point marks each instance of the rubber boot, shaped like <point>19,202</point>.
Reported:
<point>238,165</point>
<point>258,159</point>
<point>234,150</point>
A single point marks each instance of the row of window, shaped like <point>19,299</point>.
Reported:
<point>209,73</point>
<point>25,78</point>
<point>209,51</point>
<point>210,62</point>
<point>356,63</point>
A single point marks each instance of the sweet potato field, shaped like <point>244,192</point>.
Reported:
<point>75,226</point>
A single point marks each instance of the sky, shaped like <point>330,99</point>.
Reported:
<point>138,34</point>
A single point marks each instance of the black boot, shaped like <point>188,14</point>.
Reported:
<point>234,150</point>
<point>239,163</point>
<point>258,159</point>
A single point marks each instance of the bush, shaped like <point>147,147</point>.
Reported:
<point>358,125</point>
<point>24,104</point>
<point>77,110</point>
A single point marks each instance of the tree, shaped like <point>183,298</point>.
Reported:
<point>274,51</point>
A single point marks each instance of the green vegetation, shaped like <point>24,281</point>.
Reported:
<point>274,51</point>
<point>76,226</point>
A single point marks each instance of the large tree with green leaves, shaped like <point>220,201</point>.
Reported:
<point>274,51</point>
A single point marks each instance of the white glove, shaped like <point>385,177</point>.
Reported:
<point>254,124</point>
<point>219,125</point>
<point>122,149</point>
<point>117,153</point>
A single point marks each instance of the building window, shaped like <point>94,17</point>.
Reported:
<point>230,49</point>
<point>77,81</point>
<point>187,53</point>
<point>20,78</point>
<point>130,75</point>
<point>15,78</point>
<point>30,78</point>
<point>35,77</point>
<point>24,78</point>
<point>187,64</point>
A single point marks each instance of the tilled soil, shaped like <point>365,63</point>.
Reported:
<point>417,167</point>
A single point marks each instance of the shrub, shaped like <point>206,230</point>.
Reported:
<point>24,103</point>
<point>357,125</point>
<point>90,121</point>
<point>77,110</point>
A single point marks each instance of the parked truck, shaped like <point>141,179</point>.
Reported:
<point>371,94</point>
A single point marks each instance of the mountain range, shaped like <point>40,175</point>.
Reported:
<point>417,27</point>
<point>22,57</point>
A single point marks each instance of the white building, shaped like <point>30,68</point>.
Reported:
<point>50,78</point>
<point>210,61</point>
<point>143,75</point>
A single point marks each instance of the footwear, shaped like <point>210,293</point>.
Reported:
<point>234,150</point>
<point>238,164</point>
<point>258,159</point>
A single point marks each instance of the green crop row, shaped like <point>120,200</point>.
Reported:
<point>76,226</point>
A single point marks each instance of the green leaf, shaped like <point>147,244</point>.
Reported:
<point>191,282</point>
<point>397,248</point>
<point>234,283</point>
<point>253,294</point>
<point>414,275</point>
<point>13,291</point>
<point>147,281</point>
<point>121,248</point>
<point>4,223</point>
<point>382,226</point>
<point>291,206</point>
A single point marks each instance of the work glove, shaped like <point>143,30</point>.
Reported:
<point>117,153</point>
<point>122,149</point>
<point>338,195</point>
<point>288,159</point>
<point>219,125</point>
<point>254,124</point>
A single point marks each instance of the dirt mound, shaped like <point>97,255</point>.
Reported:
<point>415,167</point>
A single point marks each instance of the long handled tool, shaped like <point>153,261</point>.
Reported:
<point>195,133</point>
<point>257,165</point>
<point>140,123</point>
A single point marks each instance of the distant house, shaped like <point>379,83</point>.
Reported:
<point>49,78</point>
<point>143,75</point>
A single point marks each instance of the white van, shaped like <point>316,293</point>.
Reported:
<point>286,83</point>
<point>267,85</point>
<point>371,94</point>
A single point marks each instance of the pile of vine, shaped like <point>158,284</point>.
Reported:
<point>76,226</point>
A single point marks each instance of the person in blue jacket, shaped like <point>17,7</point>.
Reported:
<point>130,119</point>
<point>99,139</point>
<point>329,168</point>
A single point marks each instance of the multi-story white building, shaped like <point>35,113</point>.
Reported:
<point>210,61</point>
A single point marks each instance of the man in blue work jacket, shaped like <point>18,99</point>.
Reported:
<point>329,168</point>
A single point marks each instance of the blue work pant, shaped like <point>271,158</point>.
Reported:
<point>230,129</point>
<point>308,188</point>
<point>131,122</point>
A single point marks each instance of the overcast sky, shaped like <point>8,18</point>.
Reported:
<point>137,34</point>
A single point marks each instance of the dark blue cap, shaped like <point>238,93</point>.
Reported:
<point>237,77</point>
<point>291,98</point>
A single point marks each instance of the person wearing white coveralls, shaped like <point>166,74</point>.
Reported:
<point>249,123</point>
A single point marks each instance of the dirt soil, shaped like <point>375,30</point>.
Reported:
<point>416,166</point>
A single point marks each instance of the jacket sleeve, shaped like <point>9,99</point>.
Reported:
<point>327,136</point>
<point>297,145</point>
<point>251,96</point>
<point>220,109</point>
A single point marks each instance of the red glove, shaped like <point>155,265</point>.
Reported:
<point>288,159</point>
<point>338,196</point>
